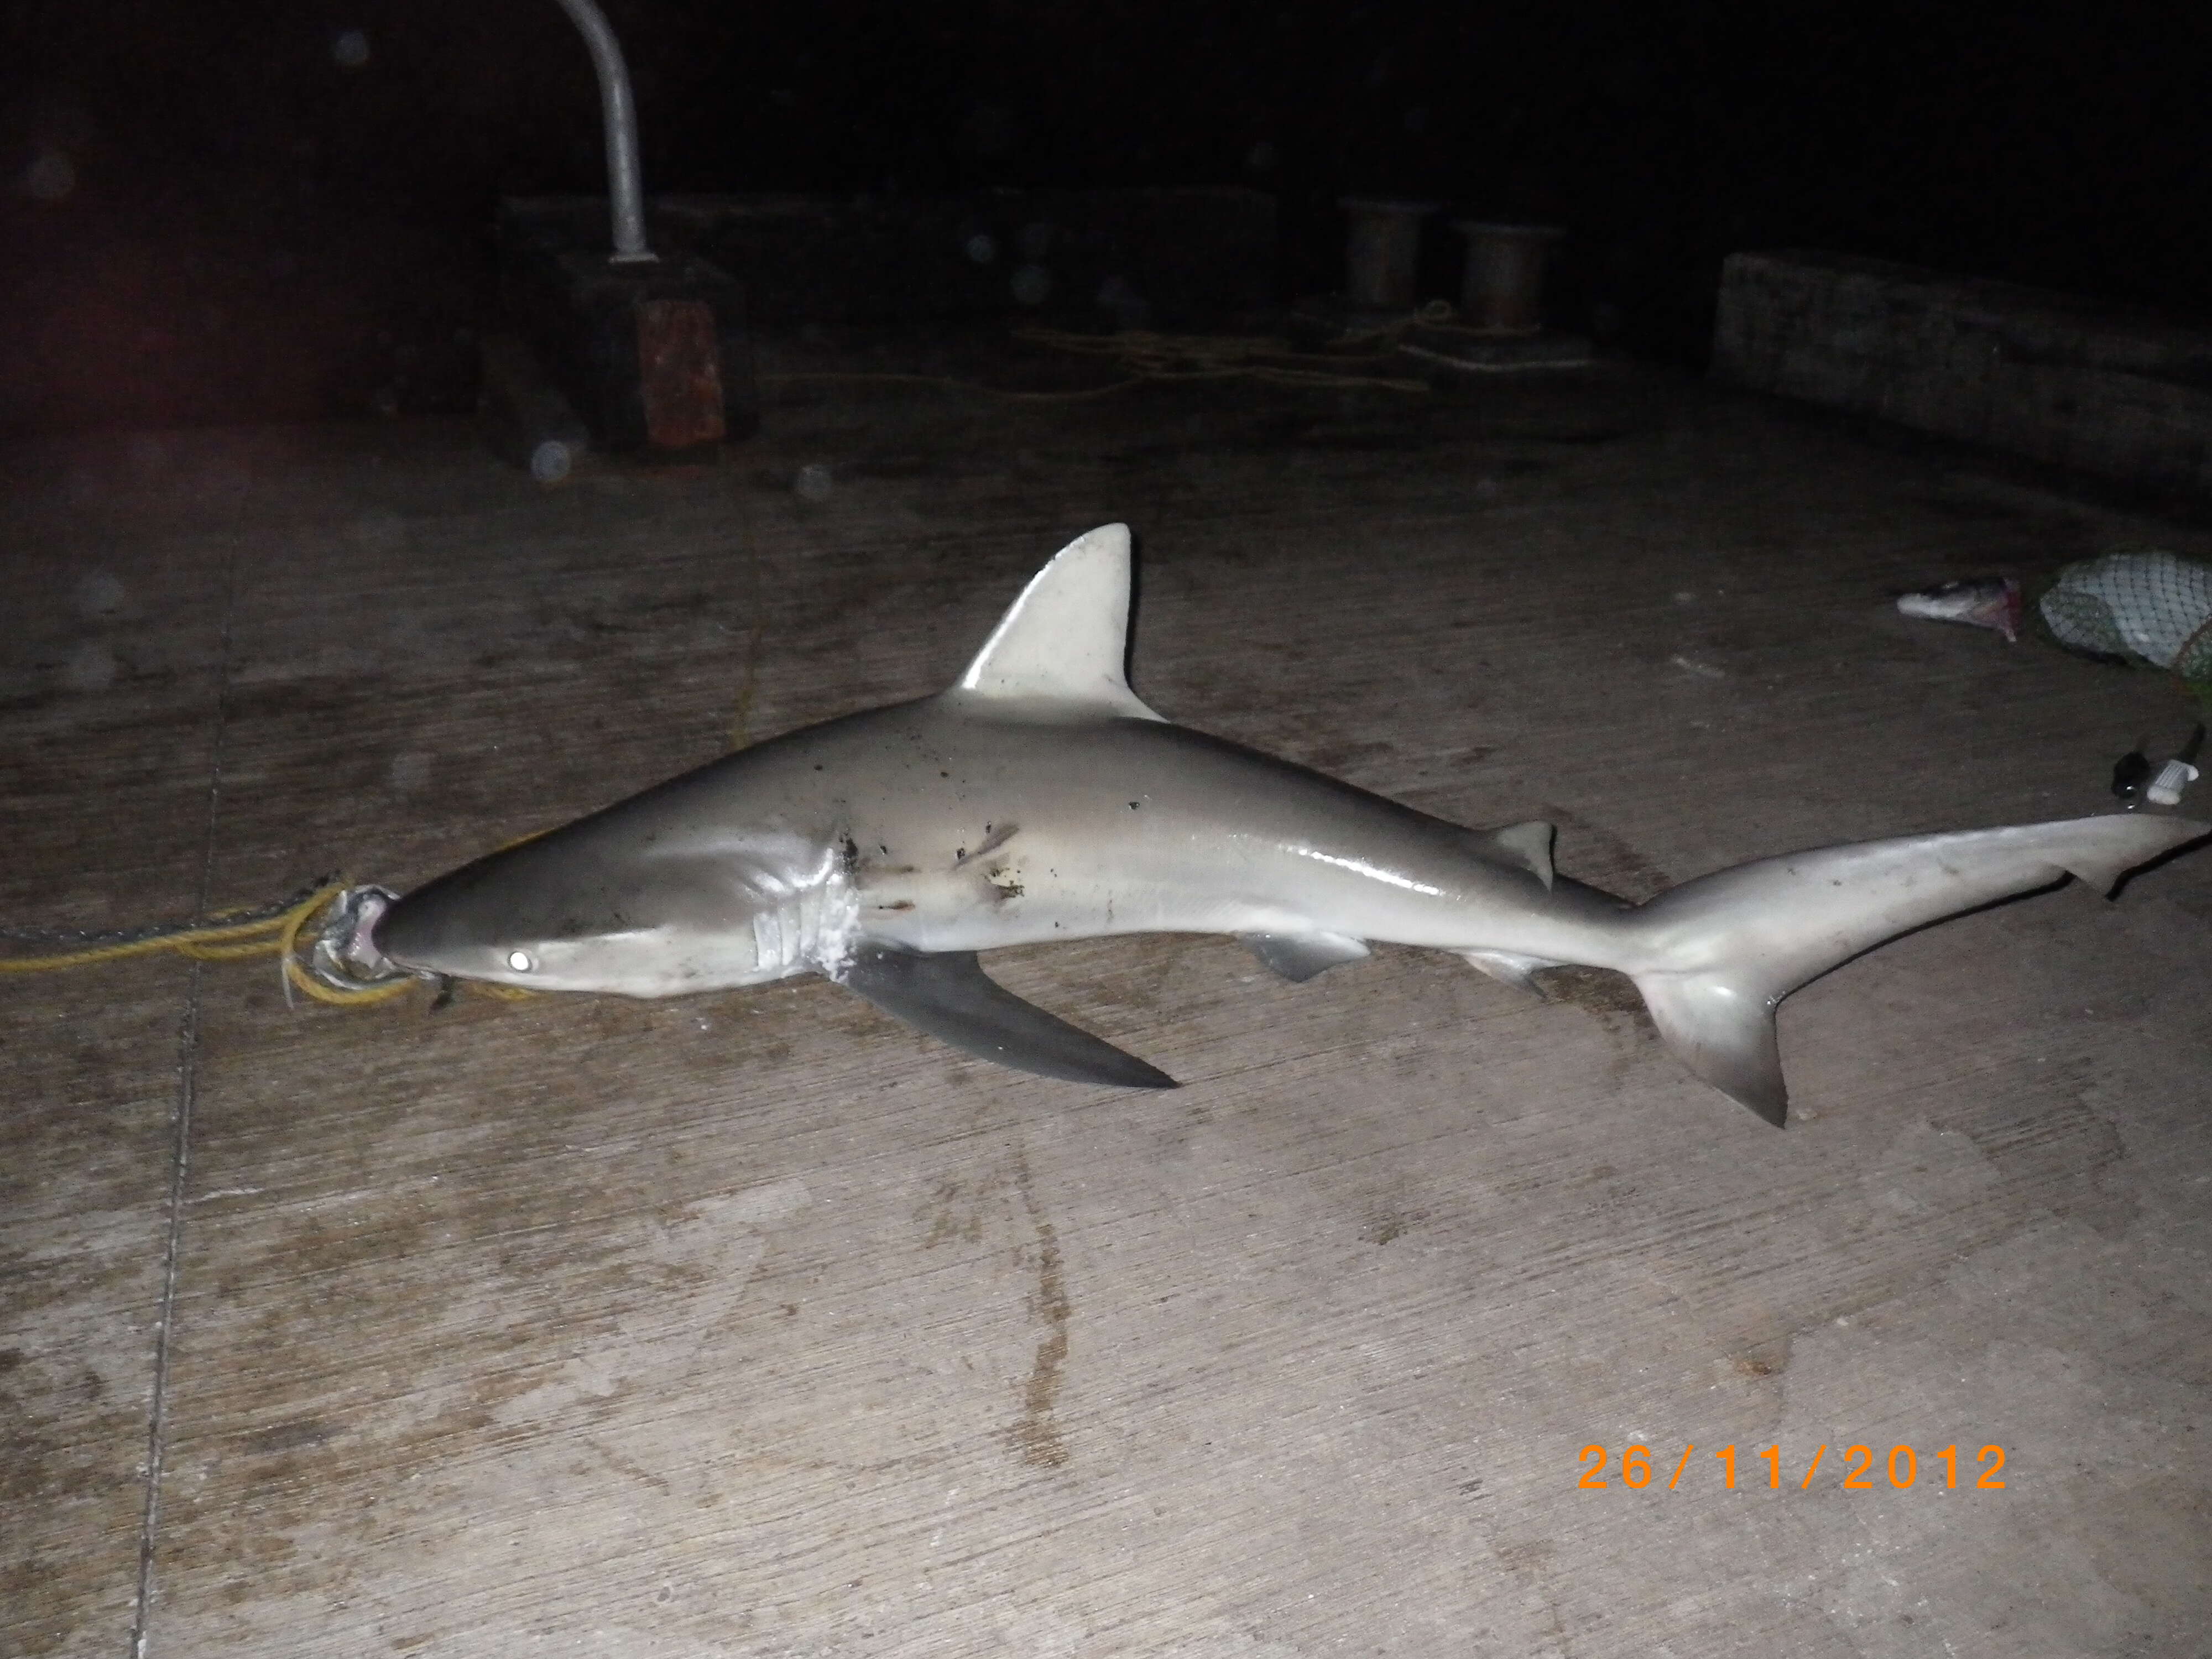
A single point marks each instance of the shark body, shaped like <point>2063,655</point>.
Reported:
<point>1039,799</point>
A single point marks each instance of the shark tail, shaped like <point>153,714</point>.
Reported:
<point>1716,955</point>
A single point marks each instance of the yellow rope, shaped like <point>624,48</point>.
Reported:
<point>218,941</point>
<point>270,936</point>
<point>1156,356</point>
<point>1149,356</point>
<point>1222,356</point>
<point>221,941</point>
<point>960,385</point>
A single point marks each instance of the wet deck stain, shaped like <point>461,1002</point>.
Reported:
<point>1758,1357</point>
<point>954,1210</point>
<point>1600,857</point>
<point>1600,990</point>
<point>1386,1225</point>
<point>1034,1436</point>
<point>290,1436</point>
<point>628,1466</point>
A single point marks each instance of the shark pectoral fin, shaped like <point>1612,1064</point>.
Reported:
<point>1299,957</point>
<point>1723,1033</point>
<point>951,998</point>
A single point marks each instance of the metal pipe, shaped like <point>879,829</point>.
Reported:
<point>625,194</point>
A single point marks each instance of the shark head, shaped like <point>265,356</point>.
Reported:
<point>573,914</point>
<point>700,885</point>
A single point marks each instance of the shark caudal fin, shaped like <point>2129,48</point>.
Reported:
<point>1726,948</point>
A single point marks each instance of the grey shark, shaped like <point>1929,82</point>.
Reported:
<point>1038,798</point>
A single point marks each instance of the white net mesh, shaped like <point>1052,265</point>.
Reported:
<point>2142,605</point>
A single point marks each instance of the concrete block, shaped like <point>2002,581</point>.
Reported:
<point>652,356</point>
<point>2123,394</point>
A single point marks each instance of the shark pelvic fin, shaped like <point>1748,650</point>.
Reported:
<point>1067,639</point>
<point>950,997</point>
<point>1299,957</point>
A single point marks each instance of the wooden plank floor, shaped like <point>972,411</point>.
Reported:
<point>757,1325</point>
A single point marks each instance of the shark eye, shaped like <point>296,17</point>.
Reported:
<point>520,961</point>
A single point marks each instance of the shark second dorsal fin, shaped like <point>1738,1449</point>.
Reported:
<point>1518,846</point>
<point>1064,641</point>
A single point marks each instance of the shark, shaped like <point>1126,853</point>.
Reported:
<point>1038,798</point>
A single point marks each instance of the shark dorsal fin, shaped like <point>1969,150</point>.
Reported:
<point>1064,639</point>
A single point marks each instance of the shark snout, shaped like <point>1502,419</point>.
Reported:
<point>418,931</point>
<point>436,932</point>
<point>488,920</point>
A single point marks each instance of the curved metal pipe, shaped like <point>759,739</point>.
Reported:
<point>625,194</point>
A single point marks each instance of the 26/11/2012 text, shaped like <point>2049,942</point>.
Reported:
<point>1904,1469</point>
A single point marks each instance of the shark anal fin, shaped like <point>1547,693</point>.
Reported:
<point>1510,969</point>
<point>950,996</point>
<point>1299,957</point>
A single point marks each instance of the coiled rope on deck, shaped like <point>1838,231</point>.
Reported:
<point>236,935</point>
<point>331,903</point>
<point>1265,358</point>
<point>1148,357</point>
<point>228,936</point>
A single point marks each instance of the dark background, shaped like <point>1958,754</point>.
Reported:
<point>218,210</point>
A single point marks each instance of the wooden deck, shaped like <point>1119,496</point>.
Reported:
<point>757,1325</point>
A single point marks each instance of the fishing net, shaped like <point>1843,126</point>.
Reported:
<point>2142,606</point>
